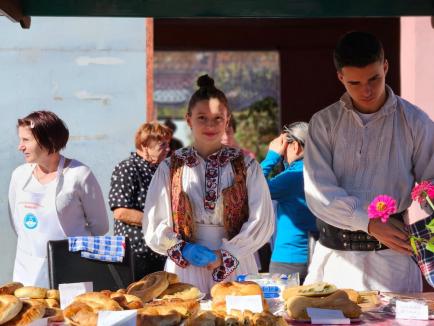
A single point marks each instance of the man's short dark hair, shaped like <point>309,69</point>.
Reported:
<point>357,49</point>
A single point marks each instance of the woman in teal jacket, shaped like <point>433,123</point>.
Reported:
<point>294,219</point>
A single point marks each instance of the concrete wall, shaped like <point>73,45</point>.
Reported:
<point>91,72</point>
<point>417,71</point>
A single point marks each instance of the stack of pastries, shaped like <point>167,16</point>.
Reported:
<point>21,305</point>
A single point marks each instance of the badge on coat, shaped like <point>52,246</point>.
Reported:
<point>30,221</point>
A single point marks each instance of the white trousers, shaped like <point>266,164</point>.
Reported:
<point>383,270</point>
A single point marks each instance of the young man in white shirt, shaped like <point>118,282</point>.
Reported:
<point>370,142</point>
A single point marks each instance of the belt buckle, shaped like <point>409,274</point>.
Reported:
<point>378,245</point>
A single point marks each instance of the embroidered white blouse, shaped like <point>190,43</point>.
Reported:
<point>200,178</point>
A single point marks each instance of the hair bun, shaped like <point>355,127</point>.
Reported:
<point>205,81</point>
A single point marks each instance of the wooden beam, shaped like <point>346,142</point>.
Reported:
<point>13,10</point>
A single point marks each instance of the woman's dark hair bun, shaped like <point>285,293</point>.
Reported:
<point>205,81</point>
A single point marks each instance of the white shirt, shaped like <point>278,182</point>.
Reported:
<point>79,200</point>
<point>348,163</point>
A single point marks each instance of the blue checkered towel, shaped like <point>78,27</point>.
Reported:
<point>105,248</point>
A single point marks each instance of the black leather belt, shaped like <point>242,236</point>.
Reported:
<point>340,239</point>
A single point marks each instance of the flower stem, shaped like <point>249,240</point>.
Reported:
<point>430,202</point>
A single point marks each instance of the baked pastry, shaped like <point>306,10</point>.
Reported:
<point>353,295</point>
<point>296,305</point>
<point>54,314</point>
<point>127,301</point>
<point>53,294</point>
<point>80,314</point>
<point>150,287</point>
<point>10,306</point>
<point>223,289</point>
<point>172,318</point>
<point>183,291</point>
<point>31,292</point>
<point>31,311</point>
<point>186,308</point>
<point>98,301</point>
<point>206,318</point>
<point>9,288</point>
<point>319,289</point>
<point>49,303</point>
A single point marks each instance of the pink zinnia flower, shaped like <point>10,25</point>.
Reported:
<point>382,207</point>
<point>421,191</point>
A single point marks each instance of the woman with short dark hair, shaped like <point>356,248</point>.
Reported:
<point>50,197</point>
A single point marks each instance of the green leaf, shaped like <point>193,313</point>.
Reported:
<point>430,226</point>
<point>413,245</point>
<point>430,245</point>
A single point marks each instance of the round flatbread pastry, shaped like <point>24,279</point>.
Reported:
<point>31,292</point>
<point>180,291</point>
<point>53,294</point>
<point>319,289</point>
<point>80,314</point>
<point>149,287</point>
<point>10,306</point>
<point>28,314</point>
<point>9,288</point>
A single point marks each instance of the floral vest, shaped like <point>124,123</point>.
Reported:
<point>235,200</point>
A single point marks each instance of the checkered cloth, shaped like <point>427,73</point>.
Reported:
<point>424,258</point>
<point>105,248</point>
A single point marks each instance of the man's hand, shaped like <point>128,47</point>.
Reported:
<point>390,235</point>
<point>279,144</point>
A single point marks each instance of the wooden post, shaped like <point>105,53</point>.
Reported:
<point>150,114</point>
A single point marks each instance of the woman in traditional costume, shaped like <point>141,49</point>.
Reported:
<point>208,206</point>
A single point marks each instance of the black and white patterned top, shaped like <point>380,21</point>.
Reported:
<point>128,188</point>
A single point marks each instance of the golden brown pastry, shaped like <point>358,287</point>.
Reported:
<point>10,306</point>
<point>49,303</point>
<point>31,292</point>
<point>80,314</point>
<point>53,294</point>
<point>183,291</point>
<point>9,288</point>
<point>98,301</point>
<point>186,308</point>
<point>319,289</point>
<point>127,301</point>
<point>353,295</point>
<point>296,306</point>
<point>150,287</point>
<point>29,313</point>
<point>54,314</point>
<point>223,289</point>
<point>206,318</point>
<point>172,318</point>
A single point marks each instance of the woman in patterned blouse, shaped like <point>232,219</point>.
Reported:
<point>129,185</point>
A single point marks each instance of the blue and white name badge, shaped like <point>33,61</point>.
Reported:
<point>30,221</point>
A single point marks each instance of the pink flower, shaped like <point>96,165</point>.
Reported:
<point>421,191</point>
<point>382,207</point>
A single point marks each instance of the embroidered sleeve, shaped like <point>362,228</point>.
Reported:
<point>229,264</point>
<point>175,253</point>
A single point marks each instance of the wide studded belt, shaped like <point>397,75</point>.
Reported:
<point>340,239</point>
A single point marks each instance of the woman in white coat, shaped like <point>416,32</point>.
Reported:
<point>50,197</point>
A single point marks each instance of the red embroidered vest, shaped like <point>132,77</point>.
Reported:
<point>235,201</point>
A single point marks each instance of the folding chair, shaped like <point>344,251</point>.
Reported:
<point>69,267</point>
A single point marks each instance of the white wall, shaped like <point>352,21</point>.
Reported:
<point>417,71</point>
<point>89,71</point>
